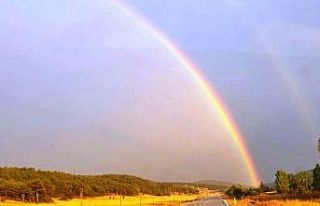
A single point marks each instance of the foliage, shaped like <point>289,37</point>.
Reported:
<point>316,177</point>
<point>282,182</point>
<point>263,188</point>
<point>318,145</point>
<point>236,192</point>
<point>303,182</point>
<point>247,202</point>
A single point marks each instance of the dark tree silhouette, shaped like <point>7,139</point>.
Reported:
<point>318,145</point>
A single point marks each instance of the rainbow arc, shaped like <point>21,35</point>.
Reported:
<point>212,96</point>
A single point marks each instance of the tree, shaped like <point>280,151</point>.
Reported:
<point>303,181</point>
<point>261,187</point>
<point>235,192</point>
<point>282,182</point>
<point>318,146</point>
<point>293,185</point>
<point>316,177</point>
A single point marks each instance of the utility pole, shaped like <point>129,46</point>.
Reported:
<point>23,195</point>
<point>318,144</point>
<point>37,195</point>
<point>81,196</point>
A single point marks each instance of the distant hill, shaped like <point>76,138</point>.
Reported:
<point>219,183</point>
<point>270,184</point>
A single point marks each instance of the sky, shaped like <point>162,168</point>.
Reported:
<point>87,89</point>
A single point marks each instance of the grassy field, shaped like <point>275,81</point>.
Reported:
<point>248,202</point>
<point>146,200</point>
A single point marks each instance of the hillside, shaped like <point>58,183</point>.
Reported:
<point>37,185</point>
<point>218,183</point>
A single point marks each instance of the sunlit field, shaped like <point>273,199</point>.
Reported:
<point>248,202</point>
<point>106,201</point>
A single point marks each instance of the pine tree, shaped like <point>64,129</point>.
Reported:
<point>318,146</point>
<point>316,177</point>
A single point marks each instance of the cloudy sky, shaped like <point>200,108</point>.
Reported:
<point>85,88</point>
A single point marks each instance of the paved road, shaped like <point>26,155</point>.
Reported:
<point>211,201</point>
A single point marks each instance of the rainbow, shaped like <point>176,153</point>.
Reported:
<point>302,106</point>
<point>215,101</point>
<point>280,67</point>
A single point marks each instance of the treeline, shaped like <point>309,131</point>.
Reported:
<point>302,185</point>
<point>301,182</point>
<point>239,192</point>
<point>202,185</point>
<point>29,184</point>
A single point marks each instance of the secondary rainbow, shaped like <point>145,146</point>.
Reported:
<point>204,85</point>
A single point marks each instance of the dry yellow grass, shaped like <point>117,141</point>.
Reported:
<point>248,202</point>
<point>146,200</point>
